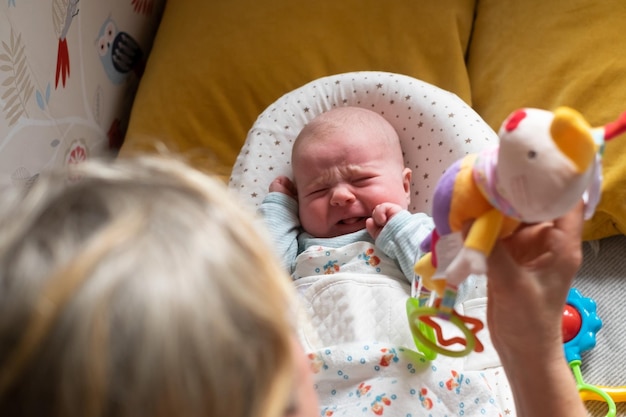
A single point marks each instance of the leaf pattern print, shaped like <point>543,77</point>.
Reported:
<point>43,98</point>
<point>23,179</point>
<point>17,85</point>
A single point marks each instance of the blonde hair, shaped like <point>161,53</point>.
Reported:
<point>140,288</point>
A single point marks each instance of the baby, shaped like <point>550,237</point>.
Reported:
<point>346,208</point>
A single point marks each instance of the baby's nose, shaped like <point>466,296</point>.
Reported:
<point>341,195</point>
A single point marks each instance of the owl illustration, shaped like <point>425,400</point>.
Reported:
<point>119,52</point>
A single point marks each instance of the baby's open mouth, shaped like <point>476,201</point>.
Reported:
<point>351,220</point>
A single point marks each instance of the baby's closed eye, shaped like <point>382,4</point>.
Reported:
<point>317,192</point>
<point>362,181</point>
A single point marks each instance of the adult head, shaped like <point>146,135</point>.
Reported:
<point>139,288</point>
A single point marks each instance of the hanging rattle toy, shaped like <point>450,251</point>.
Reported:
<point>544,164</point>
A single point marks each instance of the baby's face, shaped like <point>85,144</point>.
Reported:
<point>342,177</point>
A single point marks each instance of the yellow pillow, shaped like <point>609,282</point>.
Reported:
<point>216,65</point>
<point>545,54</point>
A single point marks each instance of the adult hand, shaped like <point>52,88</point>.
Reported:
<point>530,273</point>
<point>529,277</point>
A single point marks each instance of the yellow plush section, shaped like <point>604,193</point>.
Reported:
<point>545,54</point>
<point>216,65</point>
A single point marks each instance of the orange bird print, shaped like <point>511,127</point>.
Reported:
<point>63,12</point>
<point>363,389</point>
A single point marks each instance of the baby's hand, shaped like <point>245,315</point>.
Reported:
<point>283,185</point>
<point>381,214</point>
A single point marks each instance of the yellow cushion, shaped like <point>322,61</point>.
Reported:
<point>544,54</point>
<point>216,65</point>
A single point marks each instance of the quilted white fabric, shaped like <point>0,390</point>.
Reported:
<point>358,336</point>
<point>348,307</point>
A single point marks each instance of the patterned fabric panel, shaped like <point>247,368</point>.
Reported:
<point>69,70</point>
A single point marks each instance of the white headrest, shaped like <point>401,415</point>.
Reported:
<point>435,128</point>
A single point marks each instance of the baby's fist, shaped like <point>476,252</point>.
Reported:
<point>283,184</point>
<point>381,214</point>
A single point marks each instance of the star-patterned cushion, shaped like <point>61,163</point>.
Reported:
<point>435,127</point>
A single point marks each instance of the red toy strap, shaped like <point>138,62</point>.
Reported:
<point>615,128</point>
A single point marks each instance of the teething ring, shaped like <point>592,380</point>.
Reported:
<point>426,315</point>
<point>413,304</point>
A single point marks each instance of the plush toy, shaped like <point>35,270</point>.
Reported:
<point>544,164</point>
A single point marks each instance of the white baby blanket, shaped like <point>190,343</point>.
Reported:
<point>365,362</point>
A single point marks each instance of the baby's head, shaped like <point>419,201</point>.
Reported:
<point>345,162</point>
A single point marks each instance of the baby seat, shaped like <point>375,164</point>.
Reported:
<point>435,128</point>
<point>365,315</point>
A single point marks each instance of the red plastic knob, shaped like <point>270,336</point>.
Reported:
<point>572,322</point>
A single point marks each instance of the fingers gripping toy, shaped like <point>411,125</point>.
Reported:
<point>544,164</point>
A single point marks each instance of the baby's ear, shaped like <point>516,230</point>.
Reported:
<point>407,174</point>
